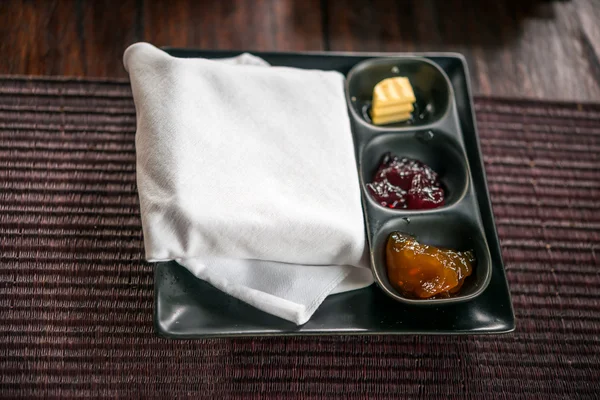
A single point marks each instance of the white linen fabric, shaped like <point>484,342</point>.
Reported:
<point>247,177</point>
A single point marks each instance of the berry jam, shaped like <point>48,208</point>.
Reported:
<point>404,183</point>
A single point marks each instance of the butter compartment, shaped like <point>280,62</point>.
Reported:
<point>430,84</point>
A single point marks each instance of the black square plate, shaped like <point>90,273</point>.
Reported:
<point>185,307</point>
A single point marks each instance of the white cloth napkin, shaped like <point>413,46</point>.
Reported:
<point>246,176</point>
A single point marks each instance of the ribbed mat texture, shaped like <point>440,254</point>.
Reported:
<point>76,297</point>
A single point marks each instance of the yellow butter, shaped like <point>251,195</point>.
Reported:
<point>393,91</point>
<point>389,119</point>
<point>391,110</point>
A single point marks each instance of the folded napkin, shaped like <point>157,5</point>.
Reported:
<point>247,177</point>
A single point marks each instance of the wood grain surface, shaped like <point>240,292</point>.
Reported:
<point>515,48</point>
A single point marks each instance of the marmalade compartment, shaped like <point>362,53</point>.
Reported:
<point>448,229</point>
<point>436,149</point>
<point>431,86</point>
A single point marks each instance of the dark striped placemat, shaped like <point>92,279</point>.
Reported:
<point>76,297</point>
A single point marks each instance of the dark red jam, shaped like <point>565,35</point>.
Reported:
<point>404,183</point>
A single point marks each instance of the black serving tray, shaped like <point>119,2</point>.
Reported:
<point>445,138</point>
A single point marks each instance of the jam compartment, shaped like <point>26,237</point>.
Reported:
<point>436,139</point>
<point>434,148</point>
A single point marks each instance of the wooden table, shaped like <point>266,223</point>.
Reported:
<point>535,48</point>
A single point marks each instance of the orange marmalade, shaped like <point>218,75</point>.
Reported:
<point>421,271</point>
